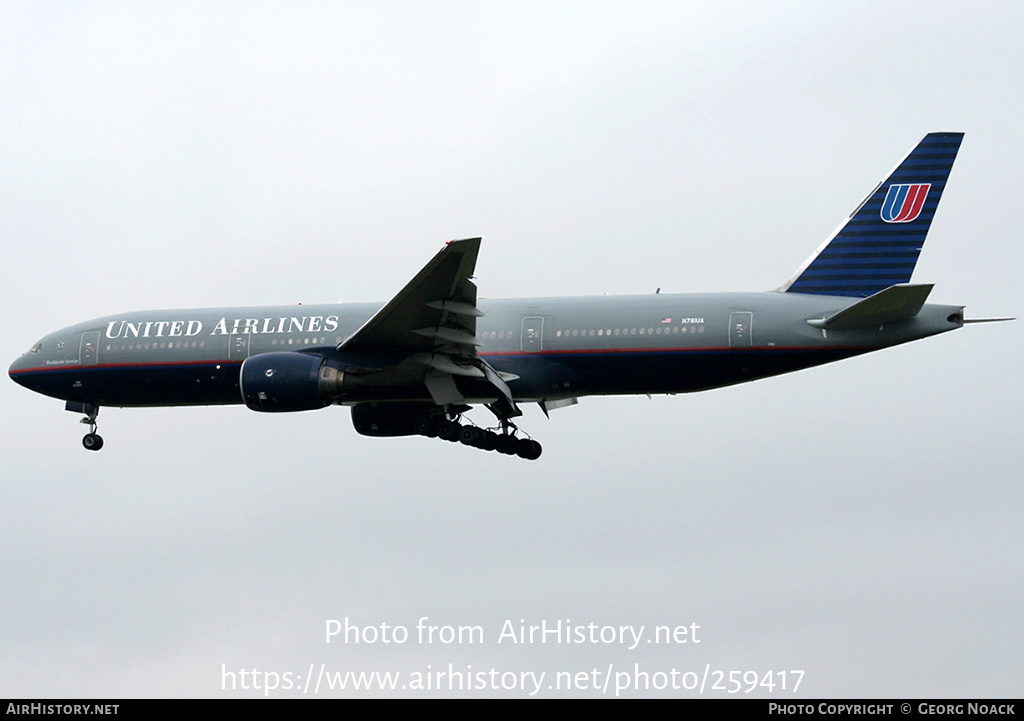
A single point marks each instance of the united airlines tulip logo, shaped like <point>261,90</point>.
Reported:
<point>903,203</point>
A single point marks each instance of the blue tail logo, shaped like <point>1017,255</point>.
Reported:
<point>903,203</point>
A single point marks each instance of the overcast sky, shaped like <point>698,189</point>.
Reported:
<point>860,522</point>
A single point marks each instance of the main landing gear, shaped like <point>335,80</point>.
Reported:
<point>92,441</point>
<point>436,426</point>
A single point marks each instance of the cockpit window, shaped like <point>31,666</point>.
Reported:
<point>36,348</point>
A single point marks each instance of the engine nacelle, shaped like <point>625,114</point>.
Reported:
<point>279,382</point>
<point>388,419</point>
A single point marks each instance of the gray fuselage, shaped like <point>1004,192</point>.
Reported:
<point>553,347</point>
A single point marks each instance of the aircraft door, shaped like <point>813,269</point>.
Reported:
<point>87,353</point>
<point>740,324</point>
<point>532,338</point>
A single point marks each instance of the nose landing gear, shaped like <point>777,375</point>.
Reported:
<point>92,440</point>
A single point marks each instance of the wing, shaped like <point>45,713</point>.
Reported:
<point>421,303</point>
<point>430,329</point>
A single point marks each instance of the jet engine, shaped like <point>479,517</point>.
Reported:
<point>388,419</point>
<point>280,382</point>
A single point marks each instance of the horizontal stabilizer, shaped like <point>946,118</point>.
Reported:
<point>897,302</point>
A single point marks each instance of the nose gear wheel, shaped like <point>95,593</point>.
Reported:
<point>92,441</point>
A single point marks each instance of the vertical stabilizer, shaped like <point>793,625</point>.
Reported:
<point>880,242</point>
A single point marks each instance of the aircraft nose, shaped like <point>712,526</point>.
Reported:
<point>22,363</point>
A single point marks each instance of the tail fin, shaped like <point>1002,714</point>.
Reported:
<point>879,243</point>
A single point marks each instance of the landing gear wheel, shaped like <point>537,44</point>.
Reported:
<point>506,444</point>
<point>471,436</point>
<point>528,449</point>
<point>93,441</point>
<point>448,430</point>
<point>490,441</point>
<point>426,426</point>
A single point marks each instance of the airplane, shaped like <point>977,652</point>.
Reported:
<point>420,362</point>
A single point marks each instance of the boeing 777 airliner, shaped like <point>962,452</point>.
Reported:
<point>420,362</point>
